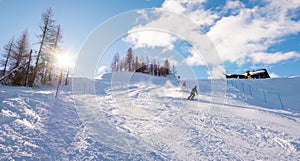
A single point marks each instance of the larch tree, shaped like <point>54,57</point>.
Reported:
<point>115,63</point>
<point>129,58</point>
<point>167,66</point>
<point>154,66</point>
<point>53,49</point>
<point>21,51</point>
<point>8,50</point>
<point>46,37</point>
<point>19,58</point>
<point>28,68</point>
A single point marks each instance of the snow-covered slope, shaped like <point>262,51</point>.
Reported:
<point>277,93</point>
<point>139,117</point>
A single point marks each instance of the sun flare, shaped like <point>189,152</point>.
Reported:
<point>63,60</point>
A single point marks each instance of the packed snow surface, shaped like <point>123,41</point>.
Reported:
<point>131,116</point>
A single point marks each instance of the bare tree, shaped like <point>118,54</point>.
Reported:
<point>8,49</point>
<point>137,65</point>
<point>167,66</point>
<point>129,58</point>
<point>50,57</point>
<point>47,28</point>
<point>28,64</point>
<point>19,58</point>
<point>115,63</point>
<point>21,51</point>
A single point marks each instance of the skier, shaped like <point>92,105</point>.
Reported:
<point>248,74</point>
<point>193,92</point>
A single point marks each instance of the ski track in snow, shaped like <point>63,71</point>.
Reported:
<point>142,121</point>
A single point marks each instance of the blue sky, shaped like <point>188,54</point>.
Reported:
<point>246,34</point>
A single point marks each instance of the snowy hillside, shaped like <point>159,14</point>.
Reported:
<point>139,117</point>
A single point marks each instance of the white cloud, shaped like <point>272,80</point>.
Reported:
<point>233,5</point>
<point>168,22</point>
<point>216,72</point>
<point>242,34</point>
<point>174,5</point>
<point>195,58</point>
<point>252,30</point>
<point>147,38</point>
<point>235,38</point>
<point>194,10</point>
<point>274,58</point>
<point>143,15</point>
<point>170,27</point>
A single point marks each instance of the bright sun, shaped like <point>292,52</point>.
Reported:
<point>63,60</point>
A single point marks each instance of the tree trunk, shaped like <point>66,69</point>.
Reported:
<point>66,82</point>
<point>35,69</point>
<point>28,68</point>
<point>7,58</point>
